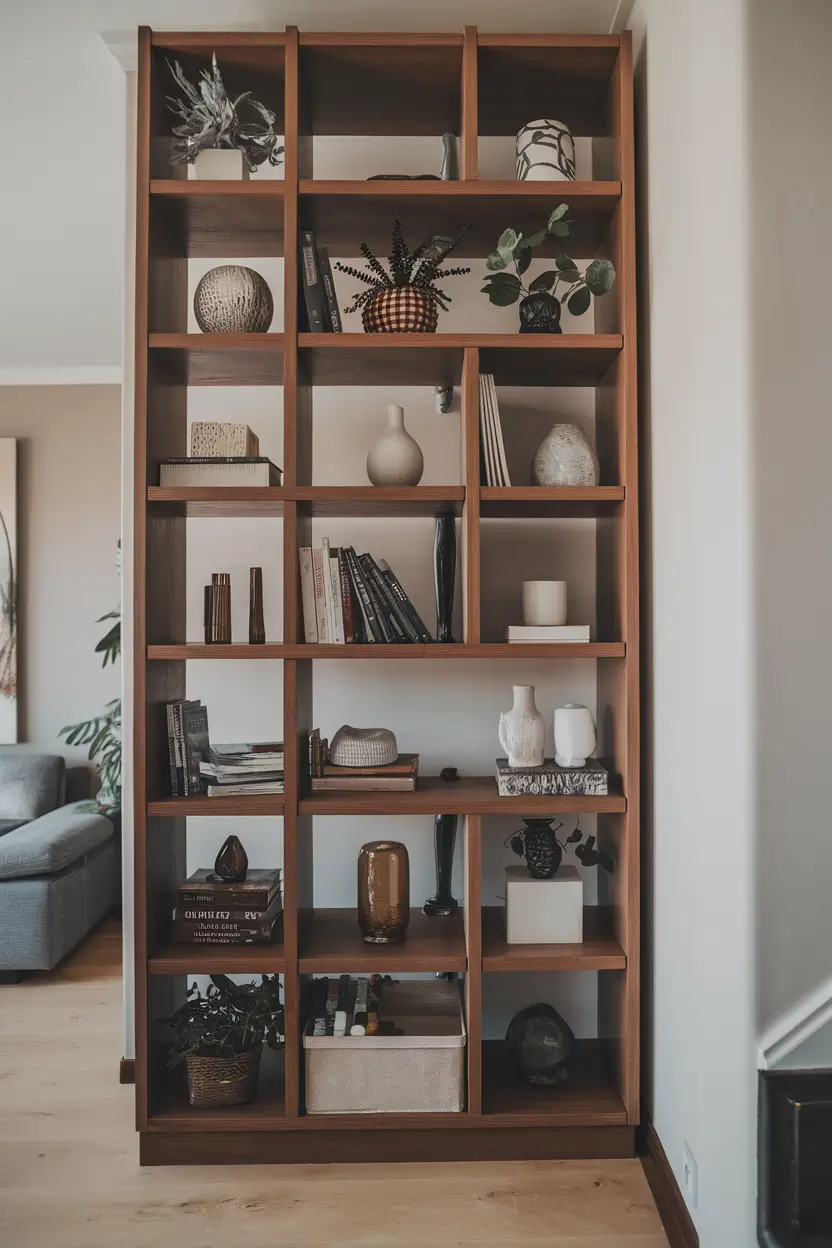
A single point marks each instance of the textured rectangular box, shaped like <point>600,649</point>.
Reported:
<point>421,1072</point>
<point>222,440</point>
<point>544,912</point>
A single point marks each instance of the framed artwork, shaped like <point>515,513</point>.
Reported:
<point>8,591</point>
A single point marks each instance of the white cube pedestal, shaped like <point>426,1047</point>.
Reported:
<point>544,912</point>
<point>219,164</point>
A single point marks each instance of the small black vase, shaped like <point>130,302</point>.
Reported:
<point>541,850</point>
<point>231,863</point>
<point>540,314</point>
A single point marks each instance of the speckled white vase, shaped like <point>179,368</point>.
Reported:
<point>396,459</point>
<point>232,299</point>
<point>565,457</point>
<point>522,730</point>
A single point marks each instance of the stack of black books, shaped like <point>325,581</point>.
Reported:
<point>210,911</point>
<point>352,598</point>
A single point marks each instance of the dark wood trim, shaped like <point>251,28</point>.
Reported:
<point>309,1147</point>
<point>127,1070</point>
<point>678,1224</point>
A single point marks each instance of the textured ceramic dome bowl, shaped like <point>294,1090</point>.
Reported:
<point>363,747</point>
<point>232,299</point>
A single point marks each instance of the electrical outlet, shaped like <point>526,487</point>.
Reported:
<point>690,1174</point>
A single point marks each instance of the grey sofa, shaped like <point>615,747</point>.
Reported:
<point>60,865</point>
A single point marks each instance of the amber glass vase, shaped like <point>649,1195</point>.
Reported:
<point>383,892</point>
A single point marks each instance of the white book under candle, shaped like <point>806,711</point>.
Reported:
<point>547,632</point>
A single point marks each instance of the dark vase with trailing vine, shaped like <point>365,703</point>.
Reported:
<point>540,314</point>
<point>538,842</point>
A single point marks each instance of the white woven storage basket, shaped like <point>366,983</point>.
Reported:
<point>363,747</point>
<point>421,1072</point>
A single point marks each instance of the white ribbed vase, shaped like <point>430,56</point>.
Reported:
<point>522,730</point>
<point>396,458</point>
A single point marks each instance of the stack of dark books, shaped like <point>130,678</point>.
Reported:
<point>352,598</point>
<point>323,316</point>
<point>235,770</point>
<point>212,912</point>
<point>187,740</point>
<point>397,777</point>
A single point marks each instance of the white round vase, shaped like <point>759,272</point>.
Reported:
<point>565,457</point>
<point>574,735</point>
<point>545,152</point>
<point>544,603</point>
<point>232,299</point>
<point>396,458</point>
<point>522,730</point>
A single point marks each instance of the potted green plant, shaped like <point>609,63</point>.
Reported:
<point>220,1034</point>
<point>406,300</point>
<point>540,300</point>
<point>211,123</point>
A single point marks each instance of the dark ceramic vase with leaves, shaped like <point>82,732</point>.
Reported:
<point>538,842</point>
<point>540,314</point>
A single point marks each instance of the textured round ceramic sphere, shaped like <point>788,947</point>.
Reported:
<point>396,458</point>
<point>565,457</point>
<point>232,299</point>
<point>363,747</point>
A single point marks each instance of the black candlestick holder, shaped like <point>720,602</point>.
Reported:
<point>444,839</point>
<point>444,574</point>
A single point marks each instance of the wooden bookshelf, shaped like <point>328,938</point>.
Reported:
<point>331,84</point>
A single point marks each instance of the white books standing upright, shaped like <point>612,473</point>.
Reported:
<point>485,434</point>
<point>307,591</point>
<point>502,465</point>
<point>327,575</point>
<point>337,603</point>
<point>320,594</point>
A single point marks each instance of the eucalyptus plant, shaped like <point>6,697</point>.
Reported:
<point>102,733</point>
<point>505,288</point>
<point>211,119</point>
<point>227,1019</point>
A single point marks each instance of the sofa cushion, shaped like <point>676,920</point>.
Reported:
<point>30,784</point>
<point>9,825</point>
<point>52,842</point>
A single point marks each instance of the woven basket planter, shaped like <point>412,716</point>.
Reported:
<point>401,310</point>
<point>216,1081</point>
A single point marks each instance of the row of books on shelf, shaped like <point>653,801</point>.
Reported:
<point>197,767</point>
<point>210,911</point>
<point>493,464</point>
<point>323,316</point>
<point>325,777</point>
<point>354,598</point>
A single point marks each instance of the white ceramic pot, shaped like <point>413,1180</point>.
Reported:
<point>522,730</point>
<point>396,458</point>
<point>545,152</point>
<point>544,602</point>
<point>565,457</point>
<point>219,164</point>
<point>574,735</point>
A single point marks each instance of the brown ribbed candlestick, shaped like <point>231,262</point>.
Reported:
<point>221,608</point>
<point>256,624</point>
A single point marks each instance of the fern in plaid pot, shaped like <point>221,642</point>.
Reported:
<point>407,299</point>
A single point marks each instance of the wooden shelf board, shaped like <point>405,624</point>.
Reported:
<point>220,219</point>
<point>588,1098</point>
<point>434,359</point>
<point>486,651</point>
<point>345,214</point>
<point>172,1112</point>
<point>175,959</point>
<point>538,500</point>
<point>370,500</point>
<point>599,951</point>
<point>330,941</point>
<point>247,804</point>
<point>217,500</point>
<point>221,359</point>
<point>471,795</point>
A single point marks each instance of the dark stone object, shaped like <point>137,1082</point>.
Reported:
<point>444,839</point>
<point>540,314</point>
<point>794,1124</point>
<point>540,1044</point>
<point>449,775</point>
<point>231,864</point>
<point>403,177</point>
<point>540,848</point>
<point>444,574</point>
<point>256,625</point>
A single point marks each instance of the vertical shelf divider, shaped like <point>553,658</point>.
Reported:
<point>473,944</point>
<point>469,159</point>
<point>470,426</point>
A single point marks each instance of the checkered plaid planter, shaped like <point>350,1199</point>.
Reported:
<point>401,310</point>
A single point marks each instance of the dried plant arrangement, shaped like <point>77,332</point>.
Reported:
<point>211,119</point>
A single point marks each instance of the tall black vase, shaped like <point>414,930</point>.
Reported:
<point>444,572</point>
<point>444,839</point>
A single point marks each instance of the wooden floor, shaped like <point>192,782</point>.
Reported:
<point>69,1176</point>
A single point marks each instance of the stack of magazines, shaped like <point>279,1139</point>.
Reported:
<point>352,598</point>
<point>235,770</point>
<point>493,466</point>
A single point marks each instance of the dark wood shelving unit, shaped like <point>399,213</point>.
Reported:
<point>330,84</point>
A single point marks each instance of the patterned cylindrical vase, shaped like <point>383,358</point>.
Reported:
<point>383,892</point>
<point>545,152</point>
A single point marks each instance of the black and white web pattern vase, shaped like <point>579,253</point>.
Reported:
<point>545,152</point>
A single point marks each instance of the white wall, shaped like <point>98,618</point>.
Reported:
<point>68,527</point>
<point>696,407</point>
